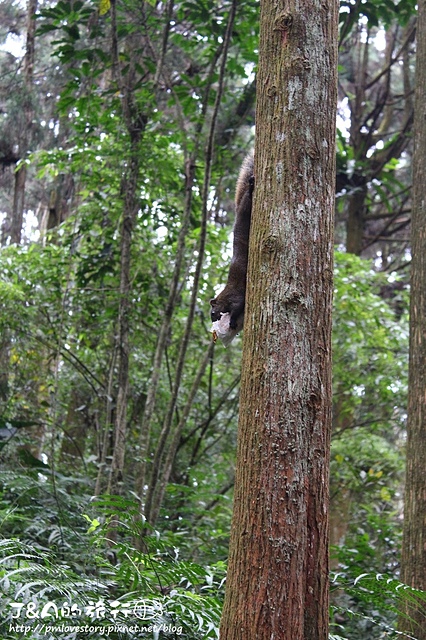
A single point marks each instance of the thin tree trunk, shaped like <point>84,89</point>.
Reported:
<point>13,229</point>
<point>18,204</point>
<point>356,206</point>
<point>164,333</point>
<point>21,173</point>
<point>105,431</point>
<point>131,204</point>
<point>277,584</point>
<point>144,441</point>
<point>135,122</point>
<point>152,505</point>
<point>413,561</point>
<point>356,218</point>
<point>173,447</point>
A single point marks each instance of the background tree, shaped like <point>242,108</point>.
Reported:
<point>413,561</point>
<point>376,107</point>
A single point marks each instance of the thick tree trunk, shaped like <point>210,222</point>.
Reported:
<point>277,584</point>
<point>413,563</point>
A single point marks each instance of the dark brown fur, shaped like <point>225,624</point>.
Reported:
<point>232,298</point>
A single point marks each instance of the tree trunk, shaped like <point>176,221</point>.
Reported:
<point>18,204</point>
<point>130,209</point>
<point>157,485</point>
<point>175,439</point>
<point>277,584</point>
<point>136,122</point>
<point>356,218</point>
<point>413,562</point>
<point>21,173</point>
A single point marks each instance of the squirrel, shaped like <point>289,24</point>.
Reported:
<point>232,299</point>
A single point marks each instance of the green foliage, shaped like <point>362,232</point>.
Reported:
<point>370,604</point>
<point>377,12</point>
<point>370,351</point>
<point>173,592</point>
<point>370,343</point>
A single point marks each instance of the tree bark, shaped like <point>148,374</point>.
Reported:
<point>277,584</point>
<point>413,561</point>
<point>21,172</point>
<point>130,209</point>
<point>136,122</point>
<point>357,211</point>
